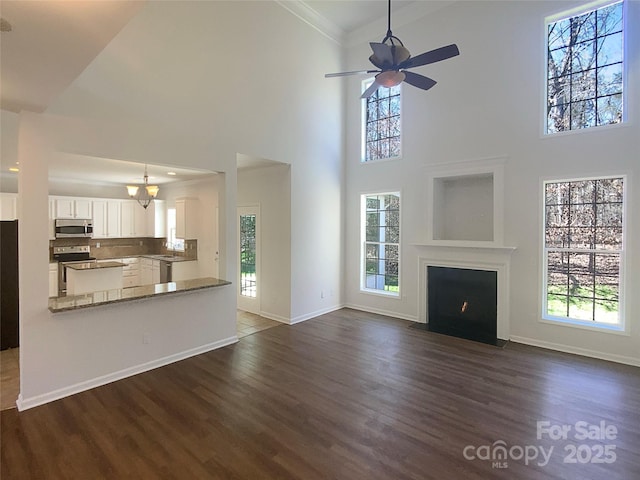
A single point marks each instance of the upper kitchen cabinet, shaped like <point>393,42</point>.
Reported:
<point>186,218</point>
<point>73,208</point>
<point>106,218</point>
<point>157,219</point>
<point>133,219</point>
<point>8,206</point>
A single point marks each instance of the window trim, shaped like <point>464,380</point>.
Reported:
<point>363,127</point>
<point>372,291</point>
<point>622,327</point>
<point>563,15</point>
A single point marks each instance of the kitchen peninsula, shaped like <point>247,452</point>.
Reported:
<point>94,299</point>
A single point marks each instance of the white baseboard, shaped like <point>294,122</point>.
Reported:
<point>26,403</point>
<point>634,361</point>
<point>273,316</point>
<point>317,313</point>
<point>386,313</point>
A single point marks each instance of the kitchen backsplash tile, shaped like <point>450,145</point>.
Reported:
<point>126,247</point>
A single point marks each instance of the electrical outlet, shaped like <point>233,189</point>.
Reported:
<point>97,244</point>
<point>146,339</point>
<point>321,293</point>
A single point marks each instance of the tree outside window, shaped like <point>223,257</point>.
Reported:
<point>381,246</point>
<point>583,250</point>
<point>585,70</point>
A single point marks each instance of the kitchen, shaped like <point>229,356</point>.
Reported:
<point>111,241</point>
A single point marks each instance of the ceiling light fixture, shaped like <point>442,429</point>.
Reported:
<point>144,196</point>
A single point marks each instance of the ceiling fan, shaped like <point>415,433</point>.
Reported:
<point>392,60</point>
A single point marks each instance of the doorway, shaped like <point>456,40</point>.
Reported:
<point>249,259</point>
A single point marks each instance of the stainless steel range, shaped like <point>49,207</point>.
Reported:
<point>66,256</point>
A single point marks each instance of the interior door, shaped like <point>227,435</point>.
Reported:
<point>249,259</point>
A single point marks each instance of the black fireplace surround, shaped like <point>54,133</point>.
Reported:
<point>463,303</point>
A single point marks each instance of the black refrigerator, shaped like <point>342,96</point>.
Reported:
<point>8,284</point>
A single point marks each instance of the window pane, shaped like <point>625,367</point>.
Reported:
<point>583,85</point>
<point>583,56</point>
<point>610,49</point>
<point>610,19</point>
<point>559,34</point>
<point>610,110</point>
<point>609,190</point>
<point>610,80</point>
<point>583,114</point>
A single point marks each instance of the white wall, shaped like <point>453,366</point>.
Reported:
<point>244,77</point>
<point>8,150</point>
<point>270,189</point>
<point>488,103</point>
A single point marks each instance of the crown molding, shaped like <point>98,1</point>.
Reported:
<point>312,18</point>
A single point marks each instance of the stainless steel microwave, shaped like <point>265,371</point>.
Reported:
<point>74,227</point>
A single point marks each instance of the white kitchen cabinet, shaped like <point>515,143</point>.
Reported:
<point>52,219</point>
<point>53,279</point>
<point>8,206</point>
<point>157,219</point>
<point>113,218</point>
<point>186,218</point>
<point>127,221</point>
<point>67,207</point>
<point>99,219</point>
<point>133,219</point>
<point>106,218</point>
<point>130,272</point>
<point>149,271</point>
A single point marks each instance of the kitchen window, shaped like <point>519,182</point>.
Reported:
<point>173,243</point>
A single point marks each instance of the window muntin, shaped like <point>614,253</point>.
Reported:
<point>583,251</point>
<point>381,243</point>
<point>381,116</point>
<point>585,70</point>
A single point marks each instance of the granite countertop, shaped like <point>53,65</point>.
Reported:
<point>94,265</point>
<point>169,258</point>
<point>75,302</point>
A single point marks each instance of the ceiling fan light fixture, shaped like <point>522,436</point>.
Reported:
<point>390,78</point>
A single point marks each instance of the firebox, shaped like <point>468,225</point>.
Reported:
<point>463,303</point>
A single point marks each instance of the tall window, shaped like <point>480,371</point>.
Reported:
<point>585,69</point>
<point>248,284</point>
<point>381,242</point>
<point>583,251</point>
<point>381,114</point>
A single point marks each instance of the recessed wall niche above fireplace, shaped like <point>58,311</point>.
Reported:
<point>465,231</point>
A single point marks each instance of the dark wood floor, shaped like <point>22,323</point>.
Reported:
<point>348,395</point>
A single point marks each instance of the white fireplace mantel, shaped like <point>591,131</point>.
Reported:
<point>469,255</point>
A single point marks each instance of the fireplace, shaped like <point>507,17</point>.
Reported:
<point>462,302</point>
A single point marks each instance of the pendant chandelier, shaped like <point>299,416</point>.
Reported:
<point>144,196</point>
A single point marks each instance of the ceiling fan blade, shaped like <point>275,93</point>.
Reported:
<point>420,81</point>
<point>382,55</point>
<point>371,90</point>
<point>432,56</point>
<point>344,74</point>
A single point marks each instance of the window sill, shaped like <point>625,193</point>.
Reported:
<point>583,325</point>
<point>380,160</point>
<point>380,293</point>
